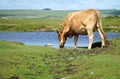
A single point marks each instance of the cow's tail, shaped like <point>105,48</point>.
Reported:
<point>100,28</point>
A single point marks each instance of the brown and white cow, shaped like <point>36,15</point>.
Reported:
<point>81,23</point>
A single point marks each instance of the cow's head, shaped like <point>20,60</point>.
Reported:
<point>61,38</point>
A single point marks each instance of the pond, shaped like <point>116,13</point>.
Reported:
<point>44,38</point>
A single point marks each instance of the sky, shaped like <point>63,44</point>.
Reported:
<point>60,4</point>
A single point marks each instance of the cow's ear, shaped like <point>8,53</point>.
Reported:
<point>58,32</point>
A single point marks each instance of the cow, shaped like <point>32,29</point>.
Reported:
<point>81,23</point>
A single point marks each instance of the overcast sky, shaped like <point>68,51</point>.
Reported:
<point>60,4</point>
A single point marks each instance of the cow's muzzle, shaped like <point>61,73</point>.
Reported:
<point>61,45</point>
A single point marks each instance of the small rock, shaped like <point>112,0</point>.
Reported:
<point>48,44</point>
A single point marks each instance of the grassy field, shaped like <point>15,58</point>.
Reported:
<point>30,25</point>
<point>45,20</point>
<point>19,61</point>
<point>10,25</point>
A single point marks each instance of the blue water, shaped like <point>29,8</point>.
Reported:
<point>44,38</point>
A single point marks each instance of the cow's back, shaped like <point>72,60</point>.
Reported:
<point>76,21</point>
<point>82,16</point>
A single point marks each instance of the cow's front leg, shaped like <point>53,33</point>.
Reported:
<point>91,36</point>
<point>75,41</point>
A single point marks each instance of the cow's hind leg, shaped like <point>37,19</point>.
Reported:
<point>103,36</point>
<point>91,36</point>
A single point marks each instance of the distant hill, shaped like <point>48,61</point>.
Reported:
<point>112,12</point>
<point>47,13</point>
<point>46,9</point>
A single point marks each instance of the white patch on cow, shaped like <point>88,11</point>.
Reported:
<point>61,41</point>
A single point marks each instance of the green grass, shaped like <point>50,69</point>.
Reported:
<point>26,62</point>
<point>109,24</point>
<point>36,62</point>
<point>30,25</point>
<point>100,67</point>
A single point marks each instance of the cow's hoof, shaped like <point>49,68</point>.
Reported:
<point>103,46</point>
<point>75,47</point>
